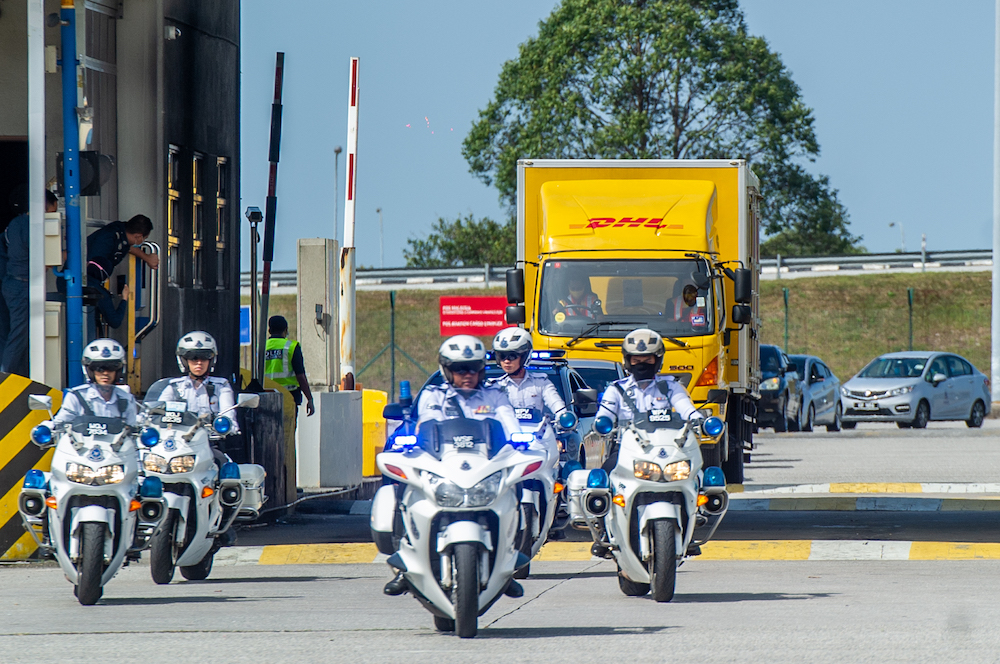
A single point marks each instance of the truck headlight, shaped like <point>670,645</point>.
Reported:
<point>182,464</point>
<point>647,470</point>
<point>154,463</point>
<point>679,470</point>
<point>484,492</point>
<point>900,390</point>
<point>771,384</point>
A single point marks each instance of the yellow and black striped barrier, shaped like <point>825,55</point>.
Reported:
<point>18,455</point>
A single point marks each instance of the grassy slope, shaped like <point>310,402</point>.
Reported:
<point>844,320</point>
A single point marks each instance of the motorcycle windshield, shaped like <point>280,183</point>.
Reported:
<point>463,435</point>
<point>658,418</point>
<point>98,426</point>
<point>155,390</point>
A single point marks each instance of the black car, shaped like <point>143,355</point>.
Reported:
<point>780,391</point>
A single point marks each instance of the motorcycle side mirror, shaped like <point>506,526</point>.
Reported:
<point>393,411</point>
<point>39,402</point>
<point>247,400</point>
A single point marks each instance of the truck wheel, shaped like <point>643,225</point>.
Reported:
<point>922,417</point>
<point>91,565</point>
<point>200,570</point>
<point>465,588</point>
<point>733,467</point>
<point>837,413</point>
<point>161,551</point>
<point>524,539</point>
<point>631,588</point>
<point>976,417</point>
<point>663,572</point>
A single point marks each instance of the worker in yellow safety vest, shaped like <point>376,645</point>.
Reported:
<point>283,362</point>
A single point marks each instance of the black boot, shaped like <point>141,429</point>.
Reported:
<point>514,589</point>
<point>397,586</point>
<point>601,550</point>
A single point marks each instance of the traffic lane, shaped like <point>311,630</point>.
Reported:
<point>834,525</point>
<point>724,611</point>
<point>944,452</point>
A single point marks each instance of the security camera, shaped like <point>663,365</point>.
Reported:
<point>254,215</point>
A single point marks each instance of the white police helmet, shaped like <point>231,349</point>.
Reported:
<point>196,346</point>
<point>462,353</point>
<point>643,341</point>
<point>103,353</point>
<point>513,340</point>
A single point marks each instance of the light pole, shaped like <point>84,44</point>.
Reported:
<point>902,238</point>
<point>381,247</point>
<point>336,190</point>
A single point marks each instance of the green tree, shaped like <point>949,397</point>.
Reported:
<point>465,241</point>
<point>650,79</point>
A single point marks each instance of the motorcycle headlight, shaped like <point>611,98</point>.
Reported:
<point>679,470</point>
<point>647,470</point>
<point>448,494</point>
<point>109,474</point>
<point>771,384</point>
<point>900,390</point>
<point>484,492</point>
<point>79,473</point>
<point>154,463</point>
<point>182,464</point>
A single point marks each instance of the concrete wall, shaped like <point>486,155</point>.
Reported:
<point>14,70</point>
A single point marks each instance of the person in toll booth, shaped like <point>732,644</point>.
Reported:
<point>684,305</point>
<point>462,360</point>
<point>580,301</point>
<point>100,396</point>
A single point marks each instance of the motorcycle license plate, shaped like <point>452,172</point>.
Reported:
<point>659,415</point>
<point>866,405</point>
<point>172,418</point>
<point>525,414</point>
<point>175,406</point>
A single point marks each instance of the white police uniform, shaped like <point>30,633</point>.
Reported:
<point>86,400</point>
<point>437,403</point>
<point>534,391</point>
<point>661,392</point>
<point>212,396</point>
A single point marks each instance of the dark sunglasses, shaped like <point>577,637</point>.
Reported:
<point>112,367</point>
<point>200,355</point>
<point>504,357</point>
<point>466,367</point>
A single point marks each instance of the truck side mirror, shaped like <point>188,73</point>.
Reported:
<point>516,314</point>
<point>742,314</point>
<point>515,286</point>
<point>717,396</point>
<point>742,286</point>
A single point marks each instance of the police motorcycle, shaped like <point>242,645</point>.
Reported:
<point>659,504</point>
<point>459,515</point>
<point>92,511</point>
<point>202,498</point>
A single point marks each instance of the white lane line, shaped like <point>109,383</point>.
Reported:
<point>859,550</point>
<point>238,555</point>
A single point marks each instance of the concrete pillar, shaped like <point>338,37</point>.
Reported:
<point>330,442</point>
<point>317,311</point>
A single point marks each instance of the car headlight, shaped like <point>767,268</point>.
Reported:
<point>647,470</point>
<point>182,464</point>
<point>484,492</point>
<point>154,463</point>
<point>846,392</point>
<point>109,475</point>
<point>771,384</point>
<point>679,470</point>
<point>900,390</point>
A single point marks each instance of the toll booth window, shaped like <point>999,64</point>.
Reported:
<point>610,298</point>
<point>174,220</point>
<point>198,219</point>
<point>222,225</point>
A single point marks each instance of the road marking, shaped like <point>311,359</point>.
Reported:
<point>875,487</point>
<point>867,488</point>
<point>874,503</point>
<point>762,550</point>
<point>318,554</point>
<point>954,551</point>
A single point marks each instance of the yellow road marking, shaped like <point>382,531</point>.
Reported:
<point>876,487</point>
<point>565,551</point>
<point>318,554</point>
<point>758,550</point>
<point>954,551</point>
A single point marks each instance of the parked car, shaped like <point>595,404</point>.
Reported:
<point>780,391</point>
<point>913,388</point>
<point>820,394</point>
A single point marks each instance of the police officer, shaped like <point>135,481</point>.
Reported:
<point>204,394</point>
<point>284,365</point>
<point>103,360</point>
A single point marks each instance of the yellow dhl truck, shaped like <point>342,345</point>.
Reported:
<point>607,246</point>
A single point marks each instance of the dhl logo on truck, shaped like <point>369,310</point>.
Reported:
<point>626,222</point>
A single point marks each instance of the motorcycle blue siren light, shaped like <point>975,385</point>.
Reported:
<point>603,425</point>
<point>598,479</point>
<point>149,437</point>
<point>714,476</point>
<point>521,439</point>
<point>35,479</point>
<point>404,390</point>
<point>712,426</point>
<point>222,425</point>
<point>567,420</point>
<point>152,487</point>
<point>408,443</point>
<point>229,471</point>
<point>41,435</point>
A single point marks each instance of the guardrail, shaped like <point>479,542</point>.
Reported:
<point>492,275</point>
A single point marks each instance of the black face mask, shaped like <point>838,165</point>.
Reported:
<point>643,371</point>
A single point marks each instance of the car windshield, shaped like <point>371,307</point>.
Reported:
<point>598,378</point>
<point>894,367</point>
<point>769,359</point>
<point>672,297</point>
<point>800,365</point>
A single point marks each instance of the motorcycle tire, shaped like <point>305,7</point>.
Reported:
<point>631,588</point>
<point>524,539</point>
<point>91,565</point>
<point>663,572</point>
<point>161,551</point>
<point>444,624</point>
<point>200,570</point>
<point>465,588</point>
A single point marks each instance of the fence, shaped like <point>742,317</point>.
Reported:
<point>849,322</point>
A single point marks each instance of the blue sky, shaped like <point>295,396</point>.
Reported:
<point>902,92</point>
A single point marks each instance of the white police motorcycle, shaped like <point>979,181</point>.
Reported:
<point>459,515</point>
<point>90,510</point>
<point>202,499</point>
<point>658,506</point>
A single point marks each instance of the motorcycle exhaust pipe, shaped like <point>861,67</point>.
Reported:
<point>31,504</point>
<point>231,495</point>
<point>597,503</point>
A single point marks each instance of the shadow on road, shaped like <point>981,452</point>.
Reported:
<point>265,579</point>
<point>201,599</point>
<point>549,632</point>
<point>573,575</point>
<point>719,598</point>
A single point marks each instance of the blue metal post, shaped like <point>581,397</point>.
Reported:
<point>71,188</point>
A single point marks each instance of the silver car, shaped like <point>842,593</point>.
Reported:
<point>912,388</point>
<point>820,394</point>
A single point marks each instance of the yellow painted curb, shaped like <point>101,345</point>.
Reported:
<point>758,550</point>
<point>876,487</point>
<point>734,488</point>
<point>954,551</point>
<point>565,551</point>
<point>318,554</point>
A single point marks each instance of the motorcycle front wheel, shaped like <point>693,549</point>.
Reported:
<point>91,565</point>
<point>200,570</point>
<point>465,588</point>
<point>663,572</point>
<point>161,551</point>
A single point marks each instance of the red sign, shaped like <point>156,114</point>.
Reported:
<point>478,316</point>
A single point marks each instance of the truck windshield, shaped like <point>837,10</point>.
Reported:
<point>672,297</point>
